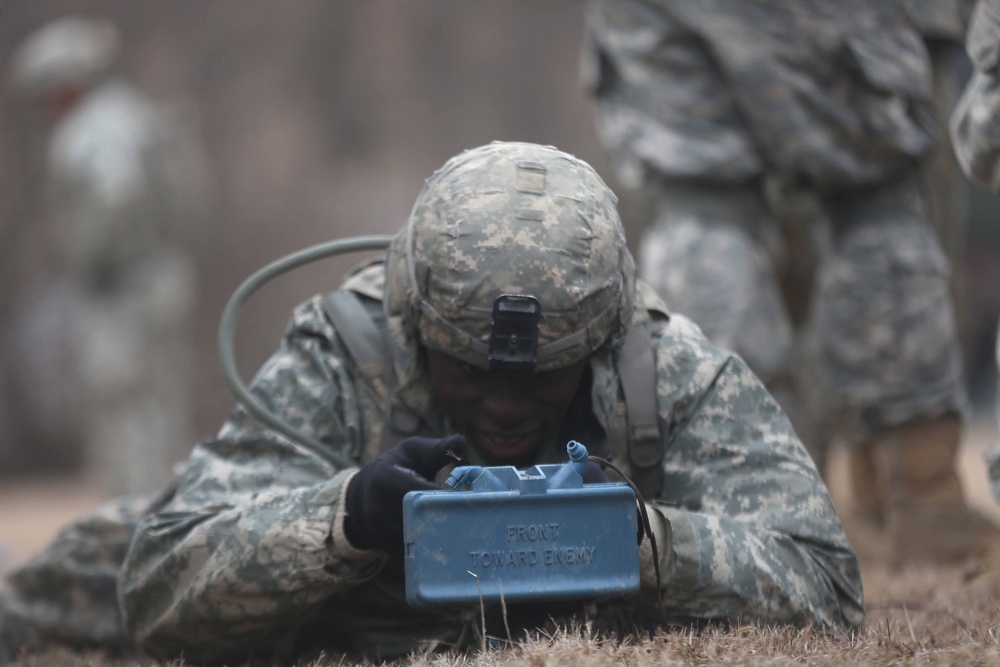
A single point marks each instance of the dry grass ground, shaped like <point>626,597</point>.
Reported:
<point>917,615</point>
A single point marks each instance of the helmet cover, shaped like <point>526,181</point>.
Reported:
<point>70,50</point>
<point>510,219</point>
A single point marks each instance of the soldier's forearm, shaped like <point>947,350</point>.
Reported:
<point>726,569</point>
<point>204,582</point>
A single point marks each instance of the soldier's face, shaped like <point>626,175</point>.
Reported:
<point>506,416</point>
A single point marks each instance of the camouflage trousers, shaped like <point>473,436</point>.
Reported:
<point>841,305</point>
<point>993,457</point>
<point>67,594</point>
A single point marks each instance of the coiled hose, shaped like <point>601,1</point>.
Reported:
<point>231,313</point>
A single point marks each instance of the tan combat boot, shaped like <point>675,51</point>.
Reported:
<point>865,489</point>
<point>864,520</point>
<point>926,518</point>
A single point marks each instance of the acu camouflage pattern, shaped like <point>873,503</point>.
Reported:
<point>975,130</point>
<point>67,594</point>
<point>835,92</point>
<point>885,322</point>
<point>878,346</point>
<point>779,145</point>
<point>246,545</point>
<point>706,256</point>
<point>240,560</point>
<point>506,219</point>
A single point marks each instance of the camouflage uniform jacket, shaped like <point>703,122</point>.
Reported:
<point>242,560</point>
<point>127,182</point>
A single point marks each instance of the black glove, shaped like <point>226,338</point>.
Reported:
<point>374,498</point>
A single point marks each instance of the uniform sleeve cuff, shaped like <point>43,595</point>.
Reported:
<point>342,547</point>
<point>685,564</point>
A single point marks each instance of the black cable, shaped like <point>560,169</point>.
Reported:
<point>647,529</point>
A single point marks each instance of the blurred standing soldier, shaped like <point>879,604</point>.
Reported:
<point>975,130</point>
<point>746,123</point>
<point>125,188</point>
<point>941,24</point>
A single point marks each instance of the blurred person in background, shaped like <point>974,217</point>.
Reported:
<point>975,131</point>
<point>126,187</point>
<point>791,140</point>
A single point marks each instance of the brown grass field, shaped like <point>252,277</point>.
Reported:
<point>917,615</point>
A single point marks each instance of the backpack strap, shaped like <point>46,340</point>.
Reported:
<point>637,375</point>
<point>366,342</point>
<point>359,334</point>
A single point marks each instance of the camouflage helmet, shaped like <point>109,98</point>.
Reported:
<point>70,50</point>
<point>510,221</point>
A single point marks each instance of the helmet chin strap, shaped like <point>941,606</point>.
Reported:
<point>231,313</point>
